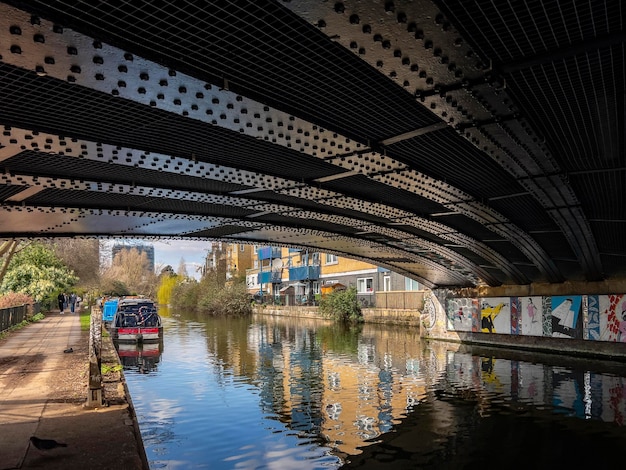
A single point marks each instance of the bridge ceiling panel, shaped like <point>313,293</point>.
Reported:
<point>460,143</point>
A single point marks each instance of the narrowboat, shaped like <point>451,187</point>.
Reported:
<point>136,320</point>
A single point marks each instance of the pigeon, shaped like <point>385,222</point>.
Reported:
<point>46,444</point>
<point>68,350</point>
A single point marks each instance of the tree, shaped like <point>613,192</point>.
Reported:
<point>38,272</point>
<point>7,250</point>
<point>182,269</point>
<point>166,288</point>
<point>131,269</point>
<point>82,256</point>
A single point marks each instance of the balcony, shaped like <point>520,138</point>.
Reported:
<point>304,273</point>
<point>270,277</point>
<point>269,252</point>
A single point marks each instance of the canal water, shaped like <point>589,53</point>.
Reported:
<point>290,393</point>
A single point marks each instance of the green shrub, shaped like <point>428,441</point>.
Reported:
<point>341,306</point>
<point>229,300</point>
<point>186,295</point>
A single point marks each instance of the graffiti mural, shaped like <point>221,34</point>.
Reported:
<point>589,317</point>
<point>567,317</point>
<point>462,314</point>
<point>516,316</point>
<point>495,315</point>
<point>532,316</point>
<point>612,317</point>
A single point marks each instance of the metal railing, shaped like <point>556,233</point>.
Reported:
<point>12,316</point>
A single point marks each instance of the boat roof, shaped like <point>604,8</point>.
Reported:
<point>135,301</point>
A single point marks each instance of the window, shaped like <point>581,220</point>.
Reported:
<point>386,283</point>
<point>410,284</point>
<point>242,247</point>
<point>316,287</point>
<point>331,259</point>
<point>364,285</point>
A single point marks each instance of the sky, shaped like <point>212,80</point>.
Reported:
<point>172,251</point>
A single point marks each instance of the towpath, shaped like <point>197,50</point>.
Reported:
<point>43,391</point>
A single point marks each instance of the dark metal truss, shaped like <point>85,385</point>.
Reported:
<point>460,143</point>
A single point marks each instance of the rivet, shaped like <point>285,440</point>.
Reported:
<point>354,19</point>
<point>39,38</point>
<point>98,60</point>
<point>15,49</point>
<point>128,56</point>
<point>401,18</point>
<point>121,84</point>
<point>367,29</point>
<point>340,7</point>
<point>75,69</point>
<point>321,24</point>
<point>144,76</point>
<point>122,69</point>
<point>49,60</point>
<point>14,29</point>
<point>97,45</point>
<point>71,50</point>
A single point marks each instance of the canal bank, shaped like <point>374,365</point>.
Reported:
<point>433,326</point>
<point>43,392</point>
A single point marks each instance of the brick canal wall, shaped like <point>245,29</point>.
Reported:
<point>370,315</point>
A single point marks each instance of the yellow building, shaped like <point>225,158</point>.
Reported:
<point>292,276</point>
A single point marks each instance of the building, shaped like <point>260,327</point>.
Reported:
<point>299,276</point>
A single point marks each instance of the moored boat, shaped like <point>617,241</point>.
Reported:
<point>136,320</point>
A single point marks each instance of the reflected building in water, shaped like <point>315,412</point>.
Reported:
<point>346,391</point>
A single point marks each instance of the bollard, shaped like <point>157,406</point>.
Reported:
<point>95,397</point>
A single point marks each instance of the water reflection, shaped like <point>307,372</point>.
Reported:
<point>140,357</point>
<point>300,393</point>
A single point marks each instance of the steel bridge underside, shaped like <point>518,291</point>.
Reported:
<point>460,143</point>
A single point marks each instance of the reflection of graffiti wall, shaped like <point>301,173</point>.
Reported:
<point>589,317</point>
<point>576,393</point>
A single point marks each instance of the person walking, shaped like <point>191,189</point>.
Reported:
<point>72,301</point>
<point>61,299</point>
